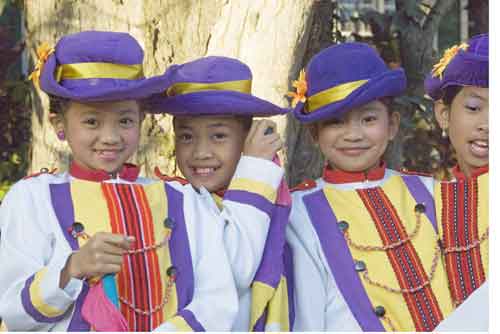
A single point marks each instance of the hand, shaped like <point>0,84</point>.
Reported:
<point>262,142</point>
<point>101,255</point>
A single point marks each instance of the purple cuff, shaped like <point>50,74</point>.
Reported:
<point>31,309</point>
<point>191,320</point>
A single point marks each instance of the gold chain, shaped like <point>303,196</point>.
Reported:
<point>371,248</point>
<point>157,308</point>
<point>437,252</point>
<point>476,243</point>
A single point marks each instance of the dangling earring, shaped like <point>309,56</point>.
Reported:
<point>60,135</point>
<point>444,133</point>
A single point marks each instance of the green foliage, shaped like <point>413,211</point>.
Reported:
<point>14,101</point>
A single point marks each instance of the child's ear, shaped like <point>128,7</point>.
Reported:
<point>394,120</point>
<point>57,121</point>
<point>442,113</point>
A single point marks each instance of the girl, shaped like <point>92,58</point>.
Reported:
<point>459,86</point>
<point>215,139</point>
<point>99,248</point>
<point>366,253</point>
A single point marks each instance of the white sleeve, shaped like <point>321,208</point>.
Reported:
<point>215,303</point>
<point>247,208</point>
<point>471,315</point>
<point>309,274</point>
<point>31,260</point>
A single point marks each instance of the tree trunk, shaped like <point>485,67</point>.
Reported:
<point>268,35</point>
<point>304,158</point>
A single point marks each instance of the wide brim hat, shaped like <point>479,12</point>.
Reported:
<point>94,66</point>
<point>211,86</point>
<point>461,65</point>
<point>343,77</point>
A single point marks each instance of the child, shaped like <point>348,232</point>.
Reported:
<point>459,86</point>
<point>99,248</point>
<point>215,139</point>
<point>366,252</point>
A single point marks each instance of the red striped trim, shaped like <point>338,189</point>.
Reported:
<point>139,282</point>
<point>422,305</point>
<point>460,228</point>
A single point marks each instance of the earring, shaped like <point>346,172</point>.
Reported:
<point>60,135</point>
<point>444,134</point>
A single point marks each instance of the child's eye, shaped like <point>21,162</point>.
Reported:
<point>127,122</point>
<point>368,119</point>
<point>184,137</point>
<point>472,108</point>
<point>220,136</point>
<point>91,122</point>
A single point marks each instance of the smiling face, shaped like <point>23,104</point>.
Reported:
<point>208,149</point>
<point>103,135</point>
<point>356,141</point>
<point>466,120</point>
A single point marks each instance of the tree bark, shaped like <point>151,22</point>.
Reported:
<point>268,35</point>
<point>304,159</point>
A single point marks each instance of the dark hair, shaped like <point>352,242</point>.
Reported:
<point>58,105</point>
<point>450,93</point>
<point>246,121</point>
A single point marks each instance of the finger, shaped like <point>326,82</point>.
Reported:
<point>118,240</point>
<point>112,249</point>
<point>105,259</point>
<point>253,128</point>
<point>104,269</point>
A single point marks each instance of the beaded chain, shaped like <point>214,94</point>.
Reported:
<point>371,248</point>
<point>437,253</point>
<point>398,243</point>
<point>166,299</point>
<point>472,245</point>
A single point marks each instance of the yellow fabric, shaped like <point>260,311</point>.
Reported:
<point>242,86</point>
<point>218,201</point>
<point>278,306</point>
<point>332,95</point>
<point>158,203</point>
<point>99,70</point>
<point>90,208</point>
<point>482,215</point>
<point>253,186</point>
<point>261,294</point>
<point>276,301</point>
<point>37,297</point>
<point>180,324</point>
<point>348,206</point>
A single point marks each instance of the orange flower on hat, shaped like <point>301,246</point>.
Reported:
<point>43,52</point>
<point>449,54</point>
<point>300,89</point>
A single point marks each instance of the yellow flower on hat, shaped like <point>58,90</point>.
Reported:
<point>449,54</point>
<point>301,89</point>
<point>43,52</point>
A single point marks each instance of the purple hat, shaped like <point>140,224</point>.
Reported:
<point>461,65</point>
<point>93,66</point>
<point>212,86</point>
<point>343,77</point>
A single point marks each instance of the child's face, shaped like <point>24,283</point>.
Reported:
<point>357,141</point>
<point>208,149</point>
<point>467,123</point>
<point>103,135</point>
